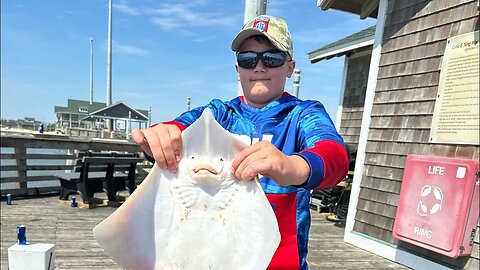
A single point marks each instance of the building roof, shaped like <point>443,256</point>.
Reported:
<point>357,42</point>
<point>83,107</point>
<point>364,8</point>
<point>74,105</point>
<point>119,111</point>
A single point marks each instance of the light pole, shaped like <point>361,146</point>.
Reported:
<point>253,8</point>
<point>91,70</point>
<point>296,82</point>
<point>109,64</point>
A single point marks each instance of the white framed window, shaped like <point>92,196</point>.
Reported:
<point>83,109</point>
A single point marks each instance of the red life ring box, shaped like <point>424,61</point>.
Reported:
<point>438,207</point>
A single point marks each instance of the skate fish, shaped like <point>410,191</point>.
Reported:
<point>201,217</point>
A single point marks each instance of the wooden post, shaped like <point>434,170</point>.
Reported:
<point>21,162</point>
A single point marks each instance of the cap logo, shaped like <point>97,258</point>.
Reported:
<point>261,25</point>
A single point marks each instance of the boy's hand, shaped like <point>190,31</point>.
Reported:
<point>264,158</point>
<point>163,142</point>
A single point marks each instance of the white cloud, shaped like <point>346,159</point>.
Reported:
<point>136,94</point>
<point>180,17</point>
<point>166,23</point>
<point>277,7</point>
<point>128,49</point>
<point>124,8</point>
<point>172,16</point>
<point>315,36</point>
<point>204,38</point>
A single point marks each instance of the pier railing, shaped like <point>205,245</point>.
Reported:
<point>29,161</point>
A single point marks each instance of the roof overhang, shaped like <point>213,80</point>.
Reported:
<point>346,48</point>
<point>119,111</point>
<point>364,8</point>
<point>93,117</point>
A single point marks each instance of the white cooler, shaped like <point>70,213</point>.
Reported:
<point>31,257</point>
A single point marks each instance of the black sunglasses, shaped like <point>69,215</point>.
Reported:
<point>270,59</point>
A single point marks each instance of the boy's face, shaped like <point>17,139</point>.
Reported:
<point>261,85</point>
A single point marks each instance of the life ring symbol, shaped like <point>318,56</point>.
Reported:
<point>422,209</point>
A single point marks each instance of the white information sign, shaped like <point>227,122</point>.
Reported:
<point>456,115</point>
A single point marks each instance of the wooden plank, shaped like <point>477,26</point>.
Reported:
<point>406,95</point>
<point>25,167</point>
<point>346,123</point>
<point>28,178</point>
<point>402,121</point>
<point>25,164</point>
<point>377,208</point>
<point>48,221</point>
<point>420,52</point>
<point>351,140</point>
<point>20,151</point>
<point>378,233</point>
<point>385,223</point>
<point>81,144</point>
<point>96,202</point>
<point>113,160</point>
<point>38,156</point>
<point>409,81</point>
<point>405,148</point>
<point>393,147</point>
<point>399,135</point>
<point>382,184</point>
<point>390,160</point>
<point>424,107</point>
<point>431,35</point>
<point>350,130</point>
<point>383,172</point>
<point>427,15</point>
<point>420,66</point>
<point>30,191</point>
<point>379,196</point>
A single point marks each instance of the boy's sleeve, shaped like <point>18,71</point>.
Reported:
<point>322,148</point>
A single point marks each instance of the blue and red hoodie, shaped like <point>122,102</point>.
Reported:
<point>295,127</point>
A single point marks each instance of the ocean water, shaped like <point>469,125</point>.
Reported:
<point>47,183</point>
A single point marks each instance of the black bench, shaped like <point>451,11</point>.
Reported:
<point>99,172</point>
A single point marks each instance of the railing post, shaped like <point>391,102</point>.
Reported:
<point>21,161</point>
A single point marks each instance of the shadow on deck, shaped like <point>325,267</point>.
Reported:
<point>70,229</point>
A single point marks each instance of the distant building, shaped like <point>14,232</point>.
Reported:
<point>25,123</point>
<point>76,110</point>
<point>79,114</point>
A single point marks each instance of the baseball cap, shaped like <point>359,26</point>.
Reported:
<point>275,29</point>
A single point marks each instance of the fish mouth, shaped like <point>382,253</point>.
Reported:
<point>204,169</point>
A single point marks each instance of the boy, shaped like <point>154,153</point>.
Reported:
<point>297,147</point>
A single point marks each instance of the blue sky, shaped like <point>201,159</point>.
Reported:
<point>163,52</point>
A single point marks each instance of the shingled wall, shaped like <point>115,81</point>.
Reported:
<point>414,41</point>
<point>354,97</point>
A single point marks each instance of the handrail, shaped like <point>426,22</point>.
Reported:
<point>27,159</point>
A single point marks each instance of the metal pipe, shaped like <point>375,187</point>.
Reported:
<point>109,64</point>
<point>129,124</point>
<point>296,82</point>
<point>253,8</point>
<point>91,70</point>
<point>149,116</point>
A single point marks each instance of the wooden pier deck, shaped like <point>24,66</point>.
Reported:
<point>70,229</point>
